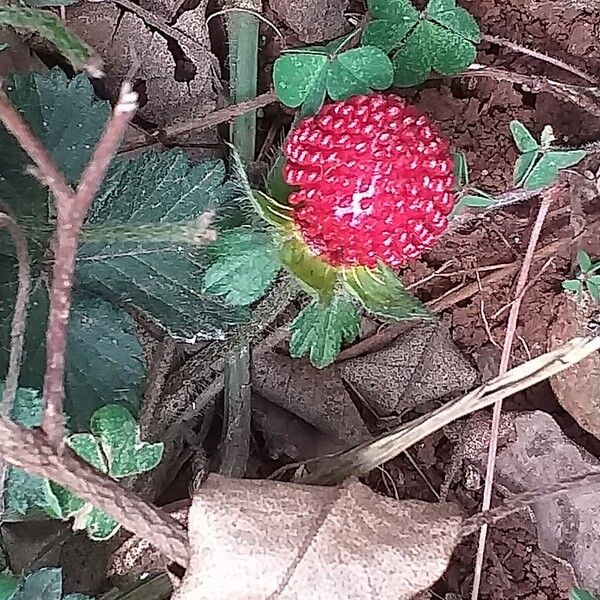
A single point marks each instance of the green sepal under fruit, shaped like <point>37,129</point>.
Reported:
<point>382,293</point>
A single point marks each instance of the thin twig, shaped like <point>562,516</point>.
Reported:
<point>48,171</point>
<point>504,360</point>
<point>71,214</point>
<point>19,320</point>
<point>539,55</point>
<point>517,503</point>
<point>200,124</point>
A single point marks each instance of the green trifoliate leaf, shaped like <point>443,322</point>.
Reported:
<point>382,293</point>
<point>441,38</point>
<point>246,265</point>
<point>297,74</point>
<point>545,171</point>
<point>314,275</point>
<point>119,437</point>
<point>572,285</point>
<point>163,274</point>
<point>359,71</point>
<point>584,261</point>
<point>392,21</point>
<point>455,18</point>
<point>579,594</point>
<point>47,25</point>
<point>523,166</point>
<point>321,328</point>
<point>524,140</point>
<point>302,77</point>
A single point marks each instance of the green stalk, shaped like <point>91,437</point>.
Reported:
<point>243,61</point>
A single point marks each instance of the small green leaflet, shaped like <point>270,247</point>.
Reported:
<point>321,328</point>
<point>315,276</point>
<point>113,447</point>
<point>441,38</point>
<point>579,594</point>
<point>245,267</point>
<point>383,294</point>
<point>76,51</point>
<point>304,76</point>
<point>539,164</point>
<point>587,279</point>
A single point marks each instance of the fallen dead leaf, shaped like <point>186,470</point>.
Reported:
<point>317,397</point>
<point>172,88</point>
<point>420,365</point>
<point>256,539</point>
<point>299,17</point>
<point>578,389</point>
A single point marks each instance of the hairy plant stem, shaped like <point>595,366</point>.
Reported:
<point>242,28</point>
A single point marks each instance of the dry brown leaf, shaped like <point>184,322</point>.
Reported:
<point>257,539</point>
<point>578,389</point>
<point>420,365</point>
<point>124,39</point>
<point>300,17</point>
<point>317,397</point>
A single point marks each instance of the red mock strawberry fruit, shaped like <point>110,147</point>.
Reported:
<point>375,182</point>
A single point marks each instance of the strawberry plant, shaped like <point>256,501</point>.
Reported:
<point>587,280</point>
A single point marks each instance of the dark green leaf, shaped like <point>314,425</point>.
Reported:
<point>321,328</point>
<point>161,269</point>
<point>8,585</point>
<point>523,166</point>
<point>296,74</point>
<point>23,493</point>
<point>358,71</point>
<point>572,285</point>
<point>46,24</point>
<point>584,261</point>
<point>68,119</point>
<point>246,266</point>
<point>119,437</point>
<point>457,19</point>
<point>45,583</point>
<point>382,293</point>
<point>524,141</point>
<point>279,215</point>
<point>412,63</point>
<point>314,275</point>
